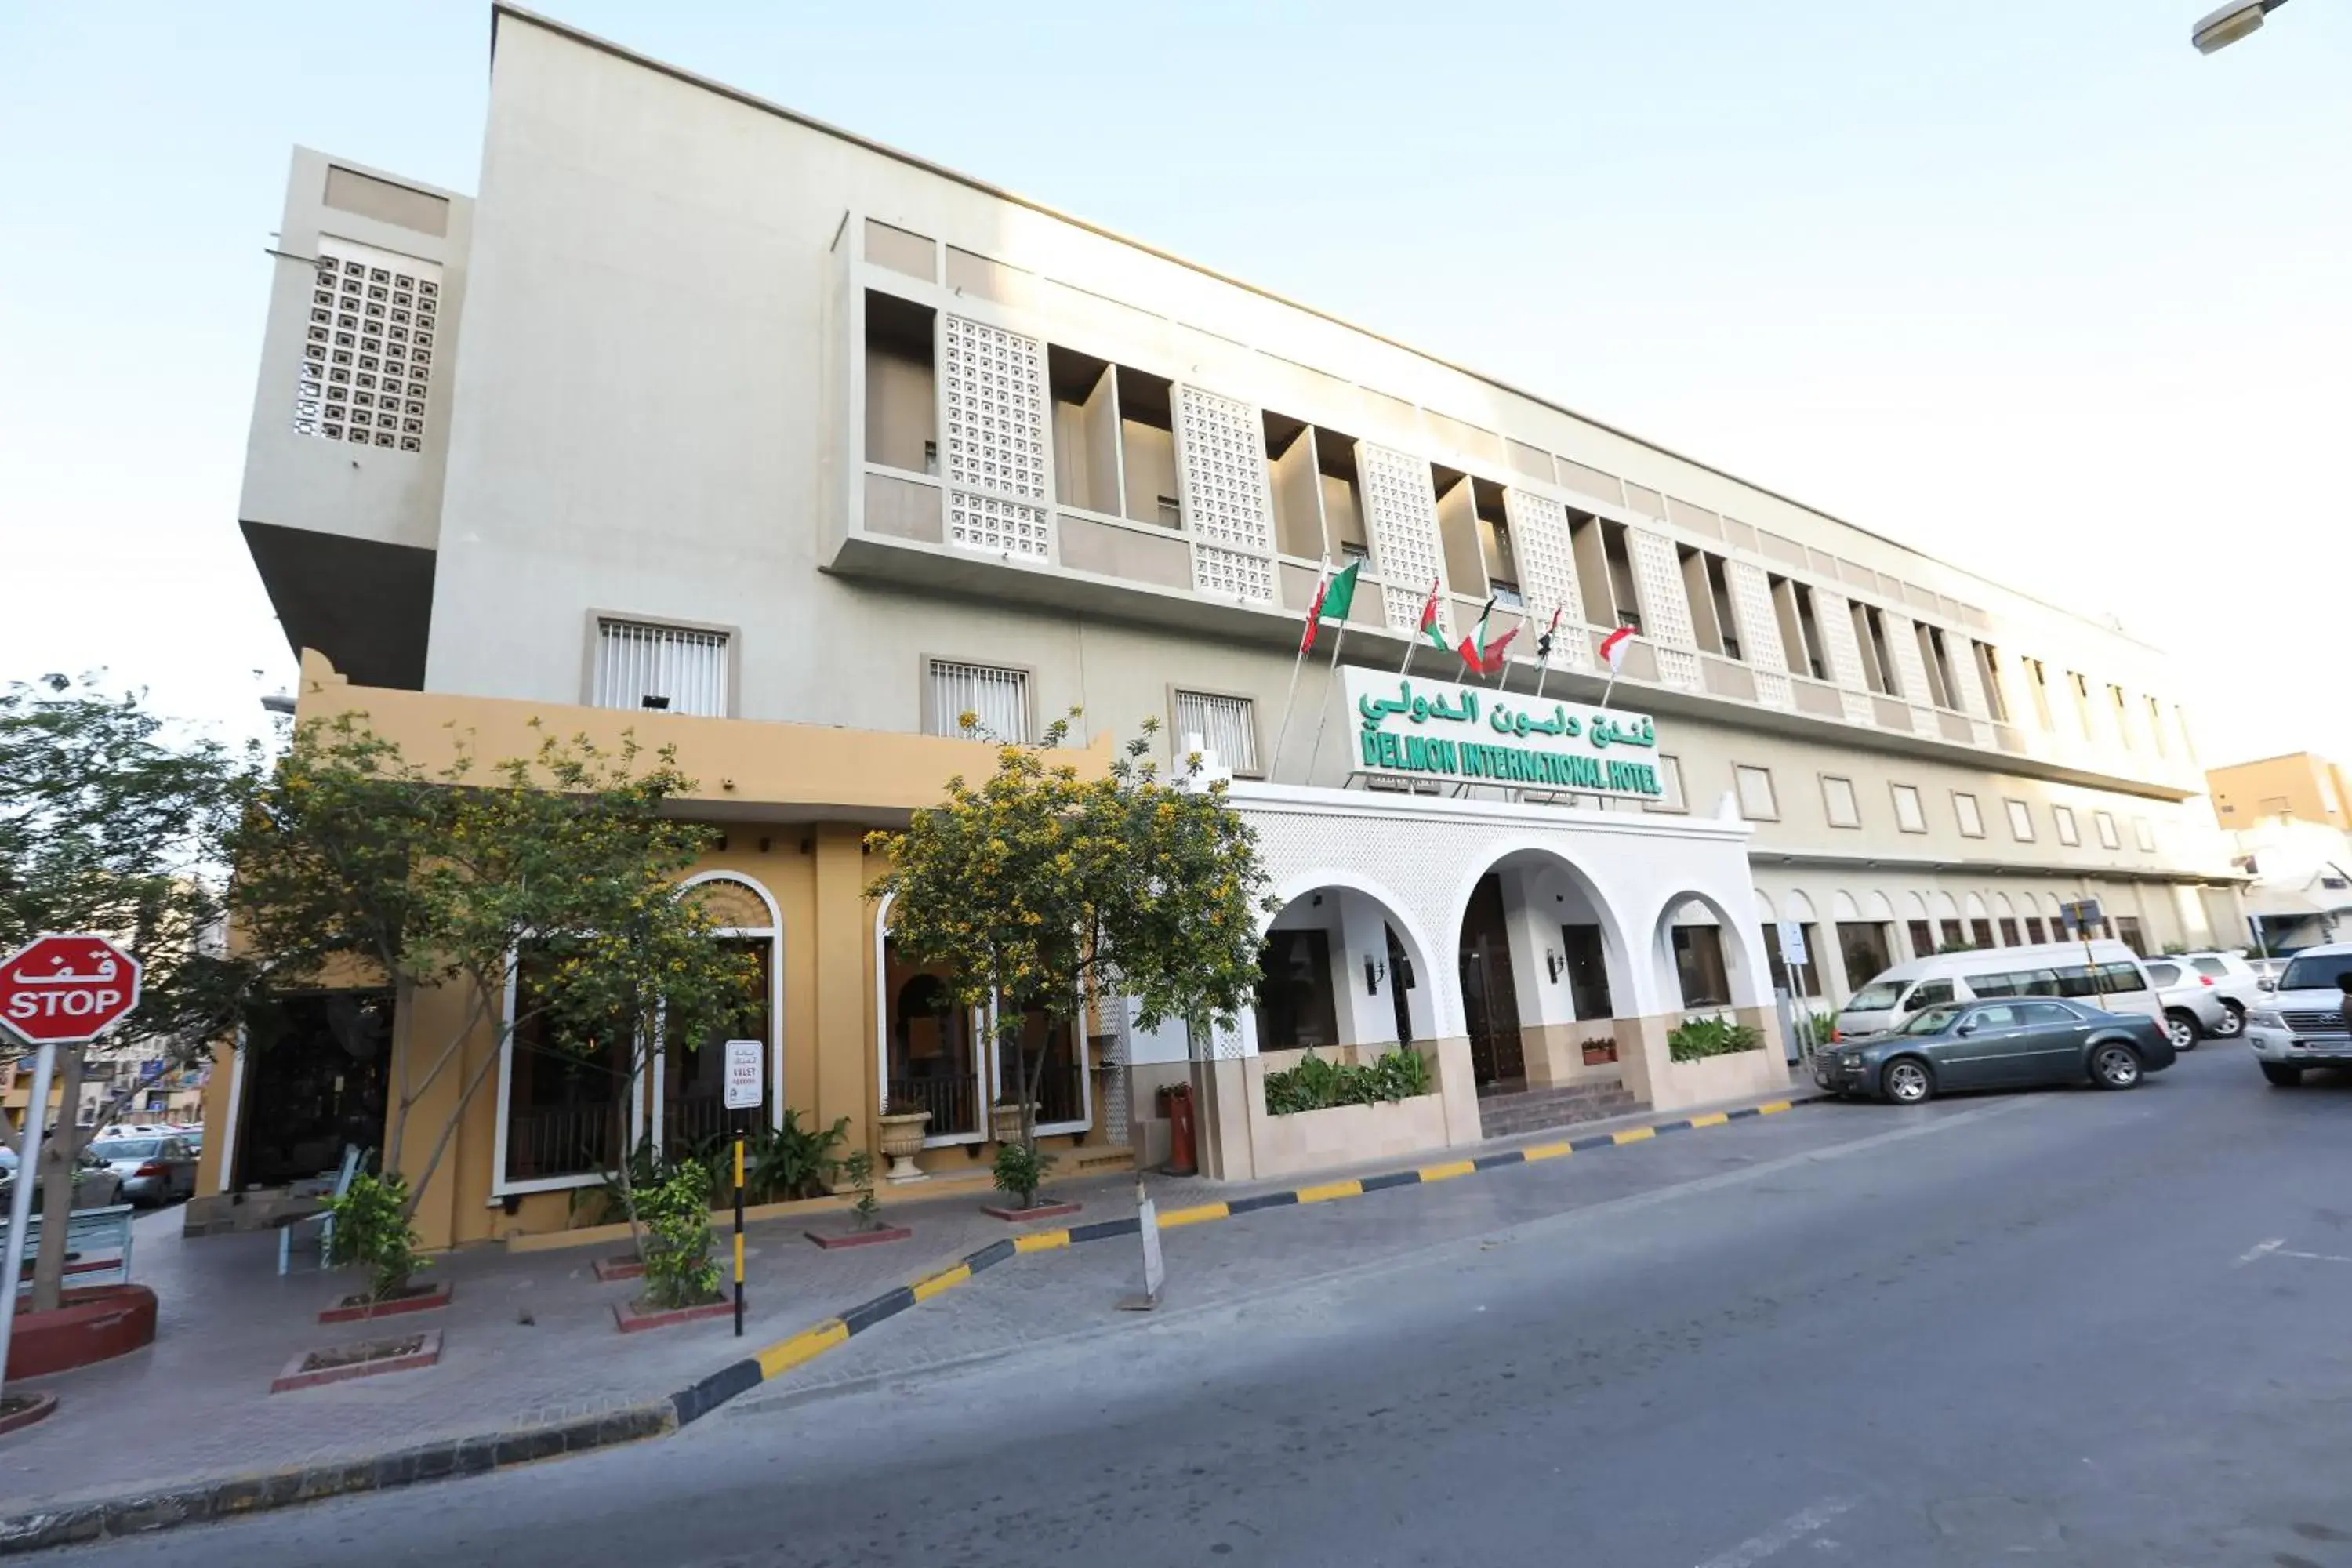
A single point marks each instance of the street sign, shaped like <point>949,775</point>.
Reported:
<point>743,1073</point>
<point>67,990</point>
<point>1792,943</point>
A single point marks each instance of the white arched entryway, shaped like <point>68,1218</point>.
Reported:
<point>684,1098</point>
<point>1343,964</point>
<point>1705,960</point>
<point>1540,962</point>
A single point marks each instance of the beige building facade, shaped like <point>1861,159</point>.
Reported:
<point>698,407</point>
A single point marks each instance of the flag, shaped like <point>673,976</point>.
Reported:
<point>1543,643</point>
<point>1429,617</point>
<point>1333,597</point>
<point>1613,648</point>
<point>1480,655</point>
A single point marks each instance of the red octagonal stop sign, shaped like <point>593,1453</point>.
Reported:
<point>67,989</point>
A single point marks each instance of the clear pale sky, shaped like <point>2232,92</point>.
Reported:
<point>2031,286</point>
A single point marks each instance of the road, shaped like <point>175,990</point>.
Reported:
<point>2057,1327</point>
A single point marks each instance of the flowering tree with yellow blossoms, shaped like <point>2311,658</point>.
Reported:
<point>1040,888</point>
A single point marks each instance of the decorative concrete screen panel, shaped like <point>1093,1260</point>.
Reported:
<point>1548,579</point>
<point>368,353</point>
<point>993,384</point>
<point>1401,510</point>
<point>1759,633</point>
<point>1221,479</point>
<point>1665,610</point>
<point>1834,614</point>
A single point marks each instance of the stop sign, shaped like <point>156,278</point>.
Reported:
<point>67,989</point>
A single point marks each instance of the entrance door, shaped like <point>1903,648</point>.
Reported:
<point>1490,998</point>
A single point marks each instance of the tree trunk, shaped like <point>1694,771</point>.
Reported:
<point>57,1157</point>
<point>449,1129</point>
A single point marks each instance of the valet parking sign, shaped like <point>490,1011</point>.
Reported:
<point>1440,731</point>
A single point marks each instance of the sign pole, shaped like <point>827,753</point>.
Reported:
<point>20,1200</point>
<point>739,1117</point>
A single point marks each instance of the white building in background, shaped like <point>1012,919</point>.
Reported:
<point>699,405</point>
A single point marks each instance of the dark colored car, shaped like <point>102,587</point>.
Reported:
<point>2019,1043</point>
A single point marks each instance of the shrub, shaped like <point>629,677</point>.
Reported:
<point>791,1161</point>
<point>1019,1171</point>
<point>1695,1038</point>
<point>677,1215</point>
<point>372,1230</point>
<point>858,1169</point>
<point>1399,1073</point>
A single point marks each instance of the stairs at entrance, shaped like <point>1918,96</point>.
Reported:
<point>1533,1109</point>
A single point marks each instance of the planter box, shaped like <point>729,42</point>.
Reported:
<point>1345,1134</point>
<point>91,1323</point>
<point>343,1362</point>
<point>18,1410</point>
<point>416,1298</point>
<point>830,1239</point>
<point>631,1320</point>
<point>1676,1084</point>
<point>1037,1211</point>
<point>628,1267</point>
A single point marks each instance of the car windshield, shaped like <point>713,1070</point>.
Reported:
<point>1875,997</point>
<point>2317,972</point>
<point>126,1148</point>
<point>1934,1021</point>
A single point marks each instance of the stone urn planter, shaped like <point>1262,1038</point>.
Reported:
<point>1004,1122</point>
<point>902,1139</point>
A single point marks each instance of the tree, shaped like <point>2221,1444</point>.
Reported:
<point>1039,889</point>
<point>551,876</point>
<point>112,821</point>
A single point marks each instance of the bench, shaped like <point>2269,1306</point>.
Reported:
<point>322,1218</point>
<point>97,1247</point>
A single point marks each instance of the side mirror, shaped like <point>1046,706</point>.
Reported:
<point>2267,983</point>
<point>1968,1028</point>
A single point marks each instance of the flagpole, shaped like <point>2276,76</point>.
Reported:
<point>1413,639</point>
<point>1322,718</point>
<point>1282,732</point>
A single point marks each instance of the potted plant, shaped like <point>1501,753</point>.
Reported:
<point>902,1139</point>
<point>1600,1049</point>
<point>1019,1171</point>
<point>371,1229</point>
<point>1004,1120</point>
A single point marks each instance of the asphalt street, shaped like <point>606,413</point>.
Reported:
<point>2065,1327</point>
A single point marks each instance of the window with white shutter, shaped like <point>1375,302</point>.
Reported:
<point>997,697</point>
<point>1757,802</point>
<point>1226,725</point>
<point>670,669</point>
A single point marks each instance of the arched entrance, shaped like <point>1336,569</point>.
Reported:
<point>1541,965</point>
<point>1339,968</point>
<point>931,1050</point>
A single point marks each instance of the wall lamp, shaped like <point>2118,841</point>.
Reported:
<point>1554,964</point>
<point>1374,972</point>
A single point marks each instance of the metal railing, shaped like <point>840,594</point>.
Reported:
<point>566,1140</point>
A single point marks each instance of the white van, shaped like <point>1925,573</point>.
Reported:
<point>2108,977</point>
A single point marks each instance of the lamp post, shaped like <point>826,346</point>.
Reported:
<point>2225,25</point>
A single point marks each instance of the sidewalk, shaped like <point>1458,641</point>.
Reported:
<point>529,1341</point>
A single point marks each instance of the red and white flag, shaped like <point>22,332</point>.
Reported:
<point>1613,648</point>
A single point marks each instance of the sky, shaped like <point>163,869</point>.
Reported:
<point>2032,286</point>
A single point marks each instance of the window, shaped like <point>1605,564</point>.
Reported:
<point>1805,980</point>
<point>2108,838</point>
<point>2213,966</point>
<point>1669,776</point>
<point>2123,714</point>
<point>2064,818</point>
<point>2008,931</point>
<point>1295,1005</point>
<point>2021,821</point>
<point>1226,725</point>
<point>1755,800</point>
<point>671,670</point>
<point>1988,677</point>
<point>1838,803</point>
<point>1929,994</point>
<point>1868,949</point>
<point>2143,834</point>
<point>997,697</point>
<point>563,1118</point>
<point>1877,664</point>
<point>1909,815</point>
<point>1980,933</point>
<point>2156,725</point>
<point>902,420</point>
<point>1698,965</point>
<point>1938,664</point>
<point>1971,819</point>
<point>1923,938</point>
<point>1719,594</point>
<point>1816,662</point>
<point>2081,701</point>
<point>2037,681</point>
<point>2035,932</point>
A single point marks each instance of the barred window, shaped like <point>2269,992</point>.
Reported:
<point>1226,725</point>
<point>674,669</point>
<point>997,698</point>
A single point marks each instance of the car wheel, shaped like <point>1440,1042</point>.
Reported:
<point>2281,1076</point>
<point>2180,1028</point>
<point>2115,1066</point>
<point>2232,1024</point>
<point>1908,1081</point>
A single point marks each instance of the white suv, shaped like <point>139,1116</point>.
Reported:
<point>2302,1025</point>
<point>2235,979</point>
<point>2193,1008</point>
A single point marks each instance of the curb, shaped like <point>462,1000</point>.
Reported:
<point>143,1513</point>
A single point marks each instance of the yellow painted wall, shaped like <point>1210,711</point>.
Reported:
<point>2312,788</point>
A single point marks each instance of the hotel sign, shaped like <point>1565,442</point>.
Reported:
<point>1436,730</point>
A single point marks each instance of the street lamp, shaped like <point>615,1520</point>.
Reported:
<point>2221,27</point>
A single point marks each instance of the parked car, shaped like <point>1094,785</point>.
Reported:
<point>2237,980</point>
<point>95,1187</point>
<point>2110,977</point>
<point>2193,1008</point>
<point>2018,1043</point>
<point>154,1171</point>
<point>2301,1025</point>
